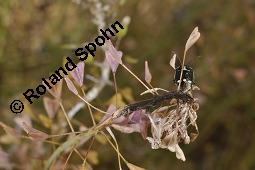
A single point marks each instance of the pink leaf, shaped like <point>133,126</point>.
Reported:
<point>147,76</point>
<point>51,106</point>
<point>78,73</point>
<point>71,86</point>
<point>141,119</point>
<point>34,133</point>
<point>113,57</point>
<point>135,122</point>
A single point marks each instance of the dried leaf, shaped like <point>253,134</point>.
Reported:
<point>34,133</point>
<point>71,86</point>
<point>51,106</point>
<point>78,73</point>
<point>147,75</point>
<point>172,61</point>
<point>113,57</point>
<point>194,36</point>
<point>134,167</point>
<point>56,89</point>
<point>179,153</point>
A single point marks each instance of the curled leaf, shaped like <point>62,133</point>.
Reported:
<point>113,57</point>
<point>147,75</point>
<point>172,61</point>
<point>71,86</point>
<point>51,106</point>
<point>78,73</point>
<point>194,36</point>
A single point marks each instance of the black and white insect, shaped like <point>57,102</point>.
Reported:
<point>186,80</point>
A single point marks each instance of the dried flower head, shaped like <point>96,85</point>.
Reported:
<point>169,128</point>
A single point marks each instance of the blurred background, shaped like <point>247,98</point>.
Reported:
<point>36,36</point>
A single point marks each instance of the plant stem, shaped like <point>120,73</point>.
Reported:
<point>67,118</point>
<point>92,105</point>
<point>90,111</point>
<point>136,77</point>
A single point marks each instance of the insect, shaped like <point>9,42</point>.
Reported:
<point>186,80</point>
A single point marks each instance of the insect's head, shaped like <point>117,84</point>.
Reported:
<point>187,75</point>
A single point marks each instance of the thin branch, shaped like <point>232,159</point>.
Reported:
<point>90,111</point>
<point>91,105</point>
<point>66,116</point>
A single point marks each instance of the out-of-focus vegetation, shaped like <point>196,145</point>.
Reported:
<point>34,36</point>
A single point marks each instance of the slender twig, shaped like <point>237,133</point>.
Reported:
<point>90,111</point>
<point>116,90</point>
<point>110,142</point>
<point>66,116</point>
<point>87,152</point>
<point>183,60</point>
<point>91,105</point>
<point>116,143</point>
<point>67,159</point>
<point>135,76</point>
